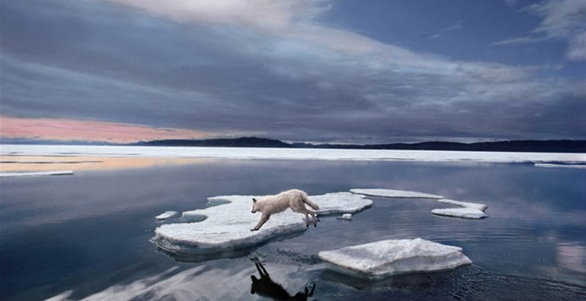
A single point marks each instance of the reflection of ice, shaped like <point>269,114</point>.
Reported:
<point>223,281</point>
<point>385,258</point>
<point>227,226</point>
<point>572,257</point>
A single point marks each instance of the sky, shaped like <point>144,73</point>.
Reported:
<point>337,71</point>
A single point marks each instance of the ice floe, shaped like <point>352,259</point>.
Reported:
<point>340,202</point>
<point>381,259</point>
<point>466,210</point>
<point>558,165</point>
<point>390,193</point>
<point>460,212</point>
<point>36,174</point>
<point>225,225</point>
<point>345,216</point>
<point>166,215</point>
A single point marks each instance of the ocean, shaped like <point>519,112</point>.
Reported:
<point>87,235</point>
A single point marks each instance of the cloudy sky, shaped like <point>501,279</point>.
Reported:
<point>348,71</point>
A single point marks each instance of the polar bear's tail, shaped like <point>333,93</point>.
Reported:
<point>307,201</point>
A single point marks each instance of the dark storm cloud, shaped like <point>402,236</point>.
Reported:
<point>295,79</point>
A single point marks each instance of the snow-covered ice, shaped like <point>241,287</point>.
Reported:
<point>381,259</point>
<point>466,210</point>
<point>345,216</point>
<point>36,174</point>
<point>246,153</point>
<point>340,202</point>
<point>224,227</point>
<point>166,215</point>
<point>460,212</point>
<point>557,165</point>
<point>390,193</point>
<point>477,206</point>
<point>226,224</point>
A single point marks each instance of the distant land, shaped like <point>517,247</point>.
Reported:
<point>560,146</point>
<point>546,146</point>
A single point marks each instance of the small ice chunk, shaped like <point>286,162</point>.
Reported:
<point>389,193</point>
<point>477,206</point>
<point>166,215</point>
<point>340,202</point>
<point>471,213</point>
<point>345,216</point>
<point>385,258</point>
<point>35,174</point>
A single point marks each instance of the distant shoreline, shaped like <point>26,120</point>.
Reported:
<point>541,146</point>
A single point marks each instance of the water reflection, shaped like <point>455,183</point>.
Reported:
<point>531,248</point>
<point>266,287</point>
<point>572,257</point>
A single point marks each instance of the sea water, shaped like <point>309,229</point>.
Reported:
<point>87,235</point>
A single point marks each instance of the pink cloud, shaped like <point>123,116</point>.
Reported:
<point>88,130</point>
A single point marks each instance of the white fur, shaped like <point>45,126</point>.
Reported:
<point>294,199</point>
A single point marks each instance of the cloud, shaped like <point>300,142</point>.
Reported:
<point>302,79</point>
<point>248,13</point>
<point>562,20</point>
<point>521,41</point>
<point>84,130</point>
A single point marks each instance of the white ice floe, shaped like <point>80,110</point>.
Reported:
<point>225,226</point>
<point>385,258</point>
<point>471,213</point>
<point>345,216</point>
<point>467,210</point>
<point>165,215</point>
<point>35,174</point>
<point>477,206</point>
<point>340,202</point>
<point>554,165</point>
<point>389,193</point>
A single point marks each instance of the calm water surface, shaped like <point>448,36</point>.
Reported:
<point>87,236</point>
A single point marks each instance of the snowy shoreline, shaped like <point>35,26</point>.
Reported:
<point>244,153</point>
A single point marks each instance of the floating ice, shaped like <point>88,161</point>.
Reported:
<point>559,165</point>
<point>389,193</point>
<point>226,225</point>
<point>385,258</point>
<point>340,202</point>
<point>460,212</point>
<point>345,216</point>
<point>166,215</point>
<point>477,206</point>
<point>36,174</point>
<point>468,210</point>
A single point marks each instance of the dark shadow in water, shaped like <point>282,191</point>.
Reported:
<point>190,254</point>
<point>266,287</point>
